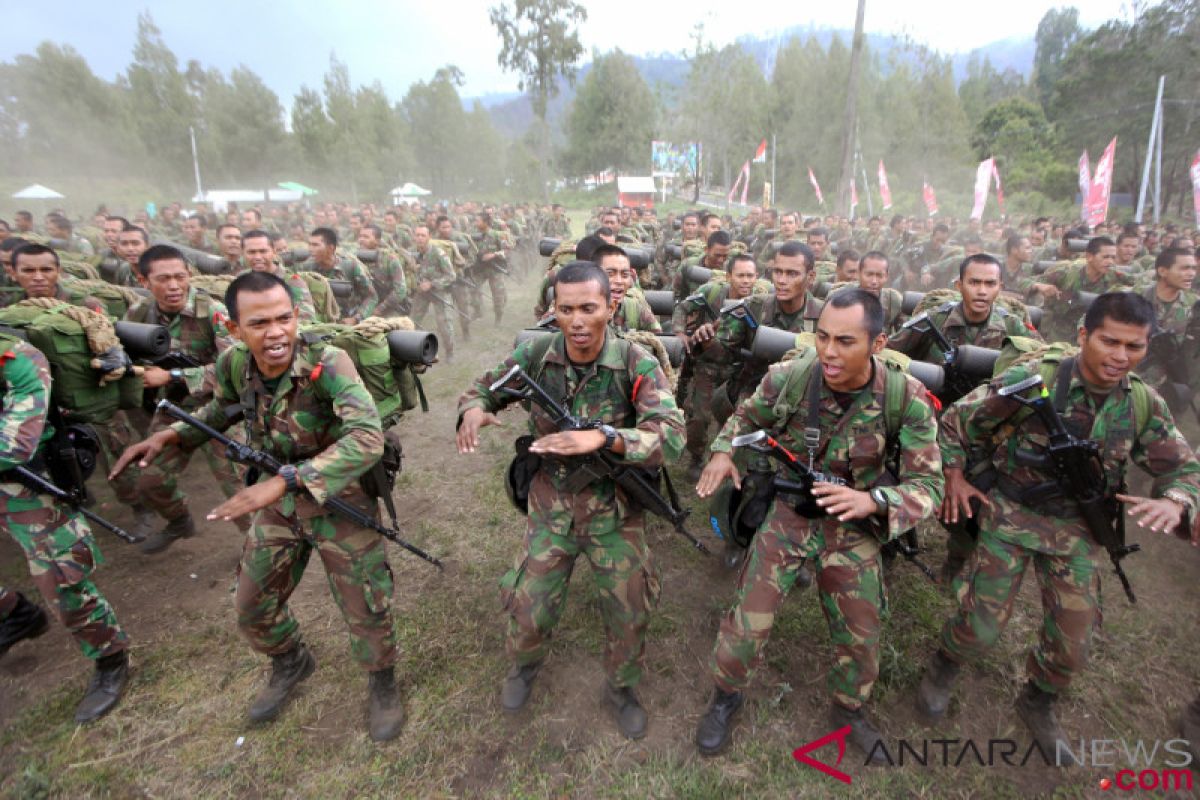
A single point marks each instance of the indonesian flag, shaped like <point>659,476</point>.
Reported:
<point>1085,182</point>
<point>1196,185</point>
<point>853,195</point>
<point>999,189</point>
<point>983,178</point>
<point>760,155</point>
<point>1101,186</point>
<point>743,180</point>
<point>816,186</point>
<point>930,199</point>
<point>884,191</point>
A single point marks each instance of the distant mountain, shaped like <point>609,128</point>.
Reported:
<point>512,112</point>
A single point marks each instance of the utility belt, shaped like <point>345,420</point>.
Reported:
<point>1046,497</point>
<point>569,474</point>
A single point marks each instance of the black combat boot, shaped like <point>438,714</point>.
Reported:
<point>517,685</point>
<point>1189,726</point>
<point>287,670</point>
<point>385,711</point>
<point>933,695</point>
<point>179,528</point>
<point>145,521</point>
<point>734,555</point>
<point>27,621</point>
<point>950,569</point>
<point>105,689</point>
<point>1036,709</point>
<point>716,726</point>
<point>626,709</point>
<point>862,732</point>
<point>695,467</point>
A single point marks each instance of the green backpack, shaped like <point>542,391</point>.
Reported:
<point>116,299</point>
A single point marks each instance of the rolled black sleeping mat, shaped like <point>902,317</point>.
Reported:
<point>414,347</point>
<point>142,341</point>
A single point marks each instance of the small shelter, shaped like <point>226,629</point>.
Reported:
<point>408,194</point>
<point>635,192</point>
<point>37,192</point>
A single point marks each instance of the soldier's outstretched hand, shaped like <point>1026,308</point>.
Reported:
<point>250,499</point>
<point>719,467</point>
<point>959,494</point>
<point>569,443</point>
<point>1158,515</point>
<point>473,419</point>
<point>144,451</point>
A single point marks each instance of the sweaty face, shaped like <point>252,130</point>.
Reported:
<point>421,238</point>
<point>367,240</point>
<point>267,323</point>
<point>848,271</point>
<point>741,279</point>
<point>844,347</point>
<point>1112,351</point>
<point>168,281</point>
<point>789,276</point>
<point>872,275</point>
<point>583,312</point>
<point>979,286</point>
<point>318,249</point>
<point>818,245</point>
<point>1181,275</point>
<point>1127,249</point>
<point>1024,251</point>
<point>230,243</point>
<point>259,254</point>
<point>787,227</point>
<point>130,247</point>
<point>620,276</point>
<point>112,232</point>
<point>1103,260</point>
<point>191,227</point>
<point>445,229</point>
<point>37,274</point>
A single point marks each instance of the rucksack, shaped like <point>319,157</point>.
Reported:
<point>325,304</point>
<point>116,299</point>
<point>945,299</point>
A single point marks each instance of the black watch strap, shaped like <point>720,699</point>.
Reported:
<point>288,473</point>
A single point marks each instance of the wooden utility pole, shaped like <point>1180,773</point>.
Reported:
<point>850,119</point>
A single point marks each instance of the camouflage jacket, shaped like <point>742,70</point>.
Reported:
<point>853,442</point>
<point>891,299</point>
<point>433,266</point>
<point>490,241</point>
<point>983,420</point>
<point>320,418</point>
<point>634,314</point>
<point>25,392</point>
<point>1172,321</point>
<point>198,330</point>
<point>1061,315</point>
<point>1018,282</point>
<point>715,357</point>
<point>644,414</point>
<point>556,227</point>
<point>950,321</point>
<point>735,334</point>
<point>363,299</point>
<point>391,287</point>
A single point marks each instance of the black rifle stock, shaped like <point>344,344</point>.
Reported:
<point>41,485</point>
<point>264,462</point>
<point>632,479</point>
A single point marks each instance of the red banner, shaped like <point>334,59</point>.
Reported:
<point>884,191</point>
<point>983,178</point>
<point>853,195</point>
<point>1101,186</point>
<point>743,180</point>
<point>1085,183</point>
<point>760,155</point>
<point>1196,186</point>
<point>816,186</point>
<point>930,199</point>
<point>999,188</point>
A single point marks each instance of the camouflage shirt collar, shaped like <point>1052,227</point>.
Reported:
<point>610,355</point>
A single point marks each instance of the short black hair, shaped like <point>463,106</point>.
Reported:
<point>257,233</point>
<point>157,253</point>
<point>941,227</point>
<point>819,232</point>
<point>1124,307</point>
<point>198,217</point>
<point>586,247</point>
<point>225,225</point>
<point>979,258</point>
<point>254,282</point>
<point>719,237</point>
<point>132,228</point>
<point>441,218</point>
<point>375,229</point>
<point>847,255</point>
<point>875,255</point>
<point>607,249</point>
<point>124,222</point>
<point>583,272</point>
<point>1096,242</point>
<point>793,248</point>
<point>33,249</point>
<point>1166,259</point>
<point>1012,243</point>
<point>739,258</point>
<point>872,308</point>
<point>327,235</point>
<point>13,242</point>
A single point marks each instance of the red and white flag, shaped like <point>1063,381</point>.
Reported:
<point>1101,186</point>
<point>816,186</point>
<point>760,155</point>
<point>884,191</point>
<point>1085,183</point>
<point>983,178</point>
<point>853,195</point>
<point>999,188</point>
<point>743,180</point>
<point>1196,185</point>
<point>930,199</point>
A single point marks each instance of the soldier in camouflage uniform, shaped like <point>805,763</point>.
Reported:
<point>467,294</point>
<point>489,261</point>
<point>324,260</point>
<point>1060,286</point>
<point>602,377</point>
<point>556,226</point>
<point>716,253</point>
<point>196,323</point>
<point>856,441</point>
<point>435,276</point>
<point>306,406</point>
<point>1171,364</point>
<point>872,277</point>
<point>57,542</point>
<point>1018,276</point>
<point>261,256</point>
<point>387,273</point>
<point>1097,398</point>
<point>630,313</point>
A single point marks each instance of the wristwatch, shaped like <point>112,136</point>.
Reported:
<point>1177,496</point>
<point>610,435</point>
<point>881,501</point>
<point>288,473</point>
<point>176,375</point>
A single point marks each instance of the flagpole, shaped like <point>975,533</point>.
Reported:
<point>196,163</point>
<point>1155,121</point>
<point>1158,163</point>
<point>774,188</point>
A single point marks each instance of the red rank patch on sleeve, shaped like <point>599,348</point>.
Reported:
<point>934,400</point>
<point>316,373</point>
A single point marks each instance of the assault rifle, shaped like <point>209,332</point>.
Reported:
<point>964,366</point>
<point>637,482</point>
<point>264,462</point>
<point>1078,473</point>
<point>41,485</point>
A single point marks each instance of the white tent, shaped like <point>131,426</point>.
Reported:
<point>408,193</point>
<point>37,192</point>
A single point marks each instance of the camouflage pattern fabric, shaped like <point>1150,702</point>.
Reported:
<point>363,299</point>
<point>626,388</point>
<point>634,314</point>
<point>391,286</point>
<point>433,266</point>
<point>1061,320</point>
<point>735,334</point>
<point>953,324</point>
<point>492,242</point>
<point>846,556</point>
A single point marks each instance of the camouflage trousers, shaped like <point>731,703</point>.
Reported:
<point>561,527</point>
<point>116,435</point>
<point>495,281</point>
<point>699,409</point>
<point>1070,586</point>
<point>465,299</point>
<point>158,484</point>
<point>850,587</point>
<point>274,557</point>
<point>443,317</point>
<point>61,555</point>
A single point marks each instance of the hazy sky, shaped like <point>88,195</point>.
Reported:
<point>399,42</point>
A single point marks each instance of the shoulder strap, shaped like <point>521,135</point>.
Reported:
<point>893,402</point>
<point>1062,383</point>
<point>1141,404</point>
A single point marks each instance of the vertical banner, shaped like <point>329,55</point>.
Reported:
<point>1101,186</point>
<point>1196,186</point>
<point>999,188</point>
<point>930,199</point>
<point>983,178</point>
<point>743,180</point>
<point>760,155</point>
<point>853,196</point>
<point>1085,183</point>
<point>884,191</point>
<point>816,186</point>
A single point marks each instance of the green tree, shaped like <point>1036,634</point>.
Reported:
<point>161,106</point>
<point>612,120</point>
<point>438,123</point>
<point>1057,31</point>
<point>985,86</point>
